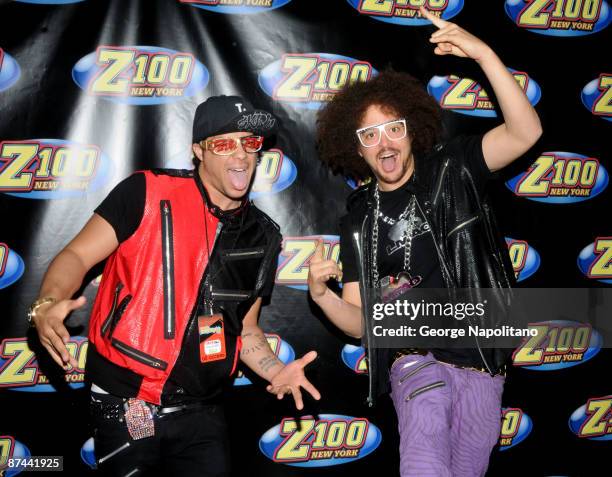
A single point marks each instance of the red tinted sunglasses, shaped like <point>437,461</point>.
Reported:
<point>227,146</point>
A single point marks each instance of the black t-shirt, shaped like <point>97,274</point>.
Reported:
<point>424,261</point>
<point>189,380</point>
<point>392,238</point>
<point>124,206</point>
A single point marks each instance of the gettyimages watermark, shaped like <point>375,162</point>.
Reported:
<point>457,311</point>
<point>483,317</point>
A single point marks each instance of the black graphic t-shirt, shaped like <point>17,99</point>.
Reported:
<point>424,260</point>
<point>392,239</point>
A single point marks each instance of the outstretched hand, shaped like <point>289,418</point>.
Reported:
<point>289,380</point>
<point>53,335</point>
<point>451,39</point>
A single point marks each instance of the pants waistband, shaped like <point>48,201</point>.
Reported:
<point>400,353</point>
<point>112,407</point>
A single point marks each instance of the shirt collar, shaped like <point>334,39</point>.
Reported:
<point>223,215</point>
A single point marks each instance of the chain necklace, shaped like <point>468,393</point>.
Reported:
<point>409,212</point>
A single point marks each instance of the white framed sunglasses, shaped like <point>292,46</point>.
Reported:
<point>370,136</point>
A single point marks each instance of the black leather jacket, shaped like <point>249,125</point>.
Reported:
<point>472,253</point>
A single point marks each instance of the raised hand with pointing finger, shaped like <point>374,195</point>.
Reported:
<point>521,128</point>
<point>345,311</point>
<point>451,39</point>
<point>321,271</point>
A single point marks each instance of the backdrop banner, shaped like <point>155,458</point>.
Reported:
<point>93,90</point>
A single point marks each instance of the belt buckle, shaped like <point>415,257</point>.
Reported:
<point>139,419</point>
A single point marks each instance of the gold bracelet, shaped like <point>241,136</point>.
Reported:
<point>34,306</point>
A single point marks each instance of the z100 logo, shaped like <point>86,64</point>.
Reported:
<point>593,420</point>
<point>595,260</point>
<point>51,168</point>
<point>307,80</point>
<point>19,369</point>
<point>466,96</point>
<point>406,12</point>
<point>275,172</point>
<point>516,426</point>
<point>329,440</point>
<point>11,266</point>
<point>294,259</point>
<point>10,447</point>
<point>281,349</point>
<point>141,75</point>
<point>9,70</point>
<point>561,178</point>
<point>560,17</point>
<point>525,260</point>
<point>237,6</point>
<point>559,344</point>
<point>355,358</point>
<point>597,96</point>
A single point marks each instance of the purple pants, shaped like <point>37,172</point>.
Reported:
<point>449,418</point>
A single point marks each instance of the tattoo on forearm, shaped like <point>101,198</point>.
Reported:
<point>260,343</point>
<point>267,363</point>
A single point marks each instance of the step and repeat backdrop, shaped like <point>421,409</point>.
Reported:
<point>93,90</point>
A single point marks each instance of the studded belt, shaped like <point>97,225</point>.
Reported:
<point>116,410</point>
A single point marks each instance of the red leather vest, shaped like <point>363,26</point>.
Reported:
<point>150,283</point>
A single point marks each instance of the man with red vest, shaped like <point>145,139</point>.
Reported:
<point>189,260</point>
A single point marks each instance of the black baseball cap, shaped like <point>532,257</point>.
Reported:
<point>225,114</point>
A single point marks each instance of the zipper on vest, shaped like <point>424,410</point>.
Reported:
<point>168,269</point>
<point>109,318</point>
<point>139,356</point>
<point>440,180</point>
<point>463,224</point>
<point>361,259</point>
<point>230,295</point>
<point>118,314</point>
<point>242,253</point>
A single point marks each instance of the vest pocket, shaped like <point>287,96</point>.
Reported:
<point>109,318</point>
<point>168,268</point>
<point>139,356</point>
<point>242,253</point>
<point>230,295</point>
<point>463,224</point>
<point>116,312</point>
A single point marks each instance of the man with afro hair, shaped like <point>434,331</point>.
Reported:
<point>423,221</point>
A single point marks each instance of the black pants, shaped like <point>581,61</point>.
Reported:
<point>187,443</point>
